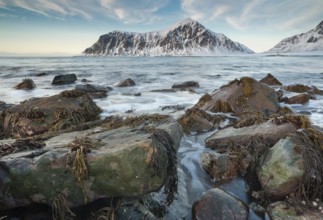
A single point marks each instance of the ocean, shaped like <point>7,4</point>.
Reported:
<point>160,73</point>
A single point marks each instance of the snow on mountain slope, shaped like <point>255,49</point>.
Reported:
<point>305,42</point>
<point>186,38</point>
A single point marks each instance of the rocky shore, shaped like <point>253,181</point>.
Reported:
<point>60,160</point>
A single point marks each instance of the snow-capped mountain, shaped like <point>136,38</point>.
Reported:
<point>186,38</point>
<point>305,42</point>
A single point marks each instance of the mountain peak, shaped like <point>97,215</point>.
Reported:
<point>186,21</point>
<point>320,25</point>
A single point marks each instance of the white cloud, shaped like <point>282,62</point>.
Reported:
<point>250,14</point>
<point>124,10</point>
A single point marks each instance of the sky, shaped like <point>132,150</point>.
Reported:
<point>68,27</point>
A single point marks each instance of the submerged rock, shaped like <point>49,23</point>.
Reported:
<point>90,88</point>
<point>299,88</point>
<point>26,84</point>
<point>239,96</point>
<point>271,80</point>
<point>126,83</point>
<point>185,85</point>
<point>218,204</point>
<point>298,99</point>
<point>53,113</point>
<point>64,79</point>
<point>122,158</point>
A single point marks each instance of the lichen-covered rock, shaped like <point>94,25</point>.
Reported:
<point>53,113</point>
<point>64,79</point>
<point>133,159</point>
<point>282,169</point>
<point>26,84</point>
<point>218,204</point>
<point>239,96</point>
<point>271,80</point>
<point>281,210</point>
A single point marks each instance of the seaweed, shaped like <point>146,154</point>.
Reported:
<point>81,146</point>
<point>170,186</point>
<point>20,145</point>
<point>250,118</point>
<point>60,209</point>
<point>221,106</point>
<point>247,86</point>
<point>300,121</point>
<point>106,213</point>
<point>310,144</point>
<point>204,99</point>
<point>72,93</point>
<point>34,113</point>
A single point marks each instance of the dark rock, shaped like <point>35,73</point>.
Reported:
<point>98,95</point>
<point>70,108</point>
<point>196,120</point>
<point>218,204</point>
<point>126,83</point>
<point>239,96</point>
<point>185,85</point>
<point>85,80</point>
<point>90,88</point>
<point>64,79</point>
<point>298,99</point>
<point>163,90</point>
<point>42,74</point>
<point>299,88</point>
<point>219,166</point>
<point>271,80</point>
<point>26,84</point>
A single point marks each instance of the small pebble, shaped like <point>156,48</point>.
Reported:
<point>303,202</point>
<point>314,204</point>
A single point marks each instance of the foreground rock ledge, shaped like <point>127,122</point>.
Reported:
<point>123,162</point>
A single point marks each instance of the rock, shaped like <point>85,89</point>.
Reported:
<point>64,79</point>
<point>90,88</point>
<point>196,120</point>
<point>122,158</point>
<point>282,169</point>
<point>163,90</point>
<point>299,88</point>
<point>126,83</point>
<point>280,94</point>
<point>270,132</point>
<point>98,95</point>
<point>26,84</point>
<point>282,210</point>
<point>219,166</point>
<point>298,99</point>
<point>185,85</point>
<point>239,96</point>
<point>70,108</point>
<point>85,80</point>
<point>270,80</point>
<point>218,204</point>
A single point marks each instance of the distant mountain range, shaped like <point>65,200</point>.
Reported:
<point>310,41</point>
<point>186,38</point>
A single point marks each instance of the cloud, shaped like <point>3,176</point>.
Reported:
<point>247,14</point>
<point>127,11</point>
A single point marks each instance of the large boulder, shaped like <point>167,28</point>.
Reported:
<point>94,91</point>
<point>53,113</point>
<point>270,132</point>
<point>26,84</point>
<point>218,204</point>
<point>298,99</point>
<point>122,158</point>
<point>239,96</point>
<point>64,79</point>
<point>283,168</point>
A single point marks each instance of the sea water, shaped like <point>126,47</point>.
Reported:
<point>160,73</point>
